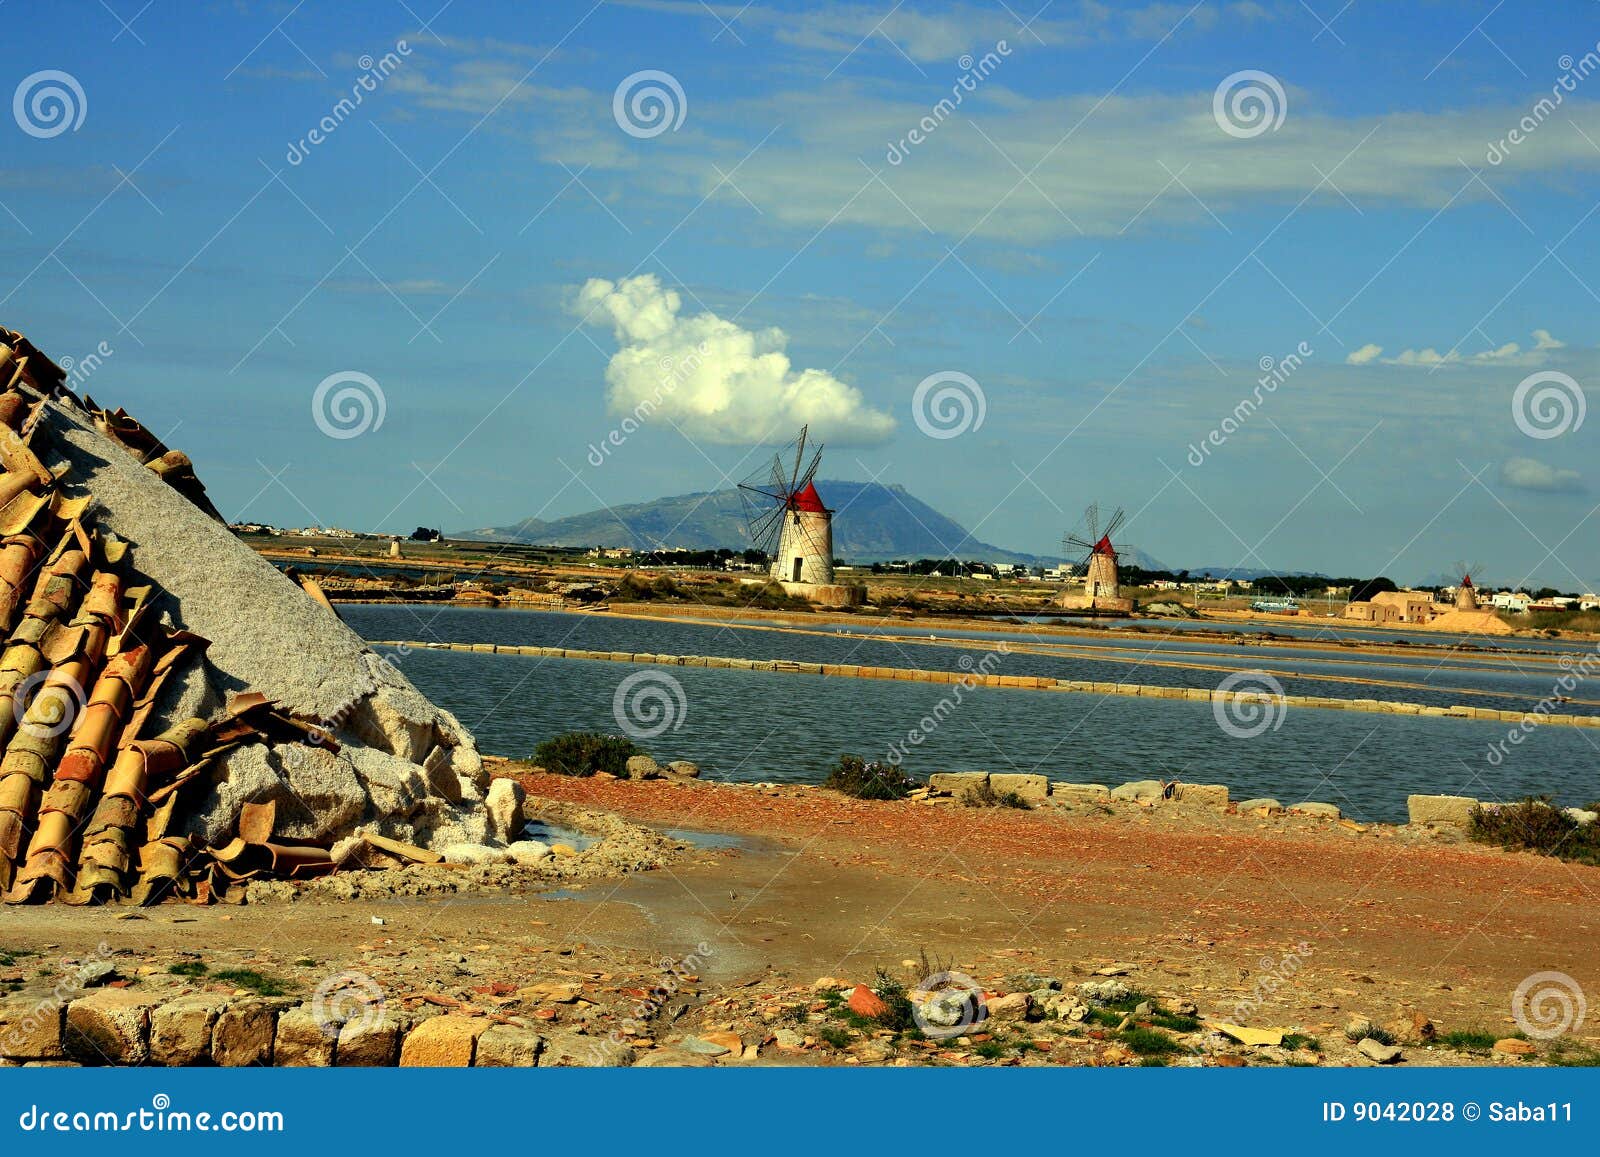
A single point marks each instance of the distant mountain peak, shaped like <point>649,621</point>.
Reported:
<point>873,522</point>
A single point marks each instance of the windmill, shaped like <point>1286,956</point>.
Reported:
<point>1466,592</point>
<point>1099,562</point>
<point>785,516</point>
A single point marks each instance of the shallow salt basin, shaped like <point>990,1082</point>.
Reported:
<point>1438,682</point>
<point>758,726</point>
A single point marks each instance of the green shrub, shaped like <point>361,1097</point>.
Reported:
<point>1148,1042</point>
<point>249,978</point>
<point>984,795</point>
<point>583,753</point>
<point>869,780</point>
<point>1536,825</point>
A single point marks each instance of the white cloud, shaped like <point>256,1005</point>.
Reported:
<point>713,378</point>
<point>1509,354</point>
<point>1531,474</point>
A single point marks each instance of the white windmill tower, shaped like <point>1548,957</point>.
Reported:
<point>787,518</point>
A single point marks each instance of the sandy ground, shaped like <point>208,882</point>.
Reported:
<point>1183,904</point>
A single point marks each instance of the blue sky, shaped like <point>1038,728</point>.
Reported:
<point>1102,243</point>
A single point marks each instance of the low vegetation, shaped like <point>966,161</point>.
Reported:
<point>250,979</point>
<point>582,753</point>
<point>862,779</point>
<point>1536,825</point>
<point>983,794</point>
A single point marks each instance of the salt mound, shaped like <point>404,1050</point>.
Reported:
<point>1470,623</point>
<point>175,713</point>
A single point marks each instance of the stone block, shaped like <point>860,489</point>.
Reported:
<point>180,1030</point>
<point>1452,810</point>
<point>448,1041</point>
<point>956,783</point>
<point>109,1027</point>
<point>1139,789</point>
<point>1208,794</point>
<point>506,1046</point>
<point>1033,788</point>
<point>243,1034</point>
<point>368,1042</point>
<point>31,1027</point>
<point>1080,792</point>
<point>304,1040</point>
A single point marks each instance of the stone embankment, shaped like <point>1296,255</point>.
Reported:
<point>968,787</point>
<point>1231,700</point>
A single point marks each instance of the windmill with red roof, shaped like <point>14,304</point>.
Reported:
<point>787,519</point>
<point>1466,593</point>
<point>1098,562</point>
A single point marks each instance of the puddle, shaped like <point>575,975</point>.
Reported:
<point>714,841</point>
<point>556,834</point>
<point>564,894</point>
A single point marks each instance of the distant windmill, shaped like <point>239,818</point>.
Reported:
<point>786,518</point>
<point>1466,591</point>
<point>1099,555</point>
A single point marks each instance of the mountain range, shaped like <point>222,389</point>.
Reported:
<point>873,522</point>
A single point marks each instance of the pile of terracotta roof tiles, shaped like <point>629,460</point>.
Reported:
<point>91,776</point>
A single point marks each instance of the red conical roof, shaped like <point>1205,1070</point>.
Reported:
<point>808,500</point>
<point>1466,581</point>
<point>1104,545</point>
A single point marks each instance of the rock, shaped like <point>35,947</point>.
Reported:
<point>1580,816</point>
<point>528,852</point>
<point>448,1041</point>
<point>1263,804</point>
<point>506,1046</point>
<point>109,1027</point>
<point>700,1046</point>
<point>826,983</point>
<point>950,1007</point>
<point>1207,794</point>
<point>243,1034</point>
<point>683,769</point>
<point>672,1058</point>
<point>1102,992</point>
<point>643,767</point>
<point>1514,1047</point>
<point>1013,1006</point>
<point>473,854</point>
<point>575,1050</point>
<point>94,973</point>
<point>1031,981</point>
<point>1357,1028</point>
<point>504,805</point>
<point>180,1030</point>
<point>367,1042</point>
<point>1079,792</point>
<point>1378,1052</point>
<point>563,850</point>
<point>1326,811</point>
<point>1068,1008</point>
<point>1033,788</point>
<point>956,783</point>
<point>864,1002</point>
<point>1450,810</point>
<point>787,1038</point>
<point>1140,790</point>
<point>302,1041</point>
<point>31,1027</point>
<point>731,1041</point>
